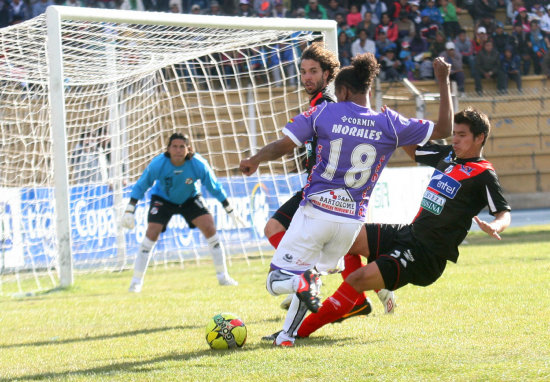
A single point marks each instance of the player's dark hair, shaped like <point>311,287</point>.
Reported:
<point>185,138</point>
<point>358,76</point>
<point>476,120</point>
<point>327,59</point>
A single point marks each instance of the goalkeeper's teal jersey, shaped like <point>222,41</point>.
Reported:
<point>177,184</point>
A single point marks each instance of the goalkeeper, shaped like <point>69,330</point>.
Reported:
<point>175,191</point>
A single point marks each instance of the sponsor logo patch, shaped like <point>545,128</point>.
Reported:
<point>432,202</point>
<point>444,184</point>
<point>338,200</point>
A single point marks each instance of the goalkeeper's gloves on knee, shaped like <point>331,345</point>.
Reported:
<point>237,220</point>
<point>128,220</point>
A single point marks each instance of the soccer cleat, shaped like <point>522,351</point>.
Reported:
<point>286,302</point>
<point>271,337</point>
<point>363,309</point>
<point>227,281</point>
<point>387,298</point>
<point>308,290</point>
<point>287,344</point>
<point>135,287</point>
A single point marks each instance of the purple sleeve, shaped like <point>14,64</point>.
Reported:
<point>302,127</point>
<point>409,131</point>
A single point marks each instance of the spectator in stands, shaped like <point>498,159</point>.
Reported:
<point>438,45</point>
<point>465,47</point>
<point>314,10</point>
<point>520,41</point>
<point>400,6</point>
<point>419,46</point>
<point>388,26</point>
<point>300,13</point>
<point>40,7</point>
<point>362,44</point>
<point>425,69</point>
<point>427,28</point>
<point>488,23</point>
<point>538,45</point>
<point>433,12</point>
<point>215,9</point>
<point>174,8</point>
<point>523,19</point>
<point>367,25</point>
<point>279,10</point>
<point>6,16</point>
<point>487,67</point>
<point>484,9</point>
<point>501,39</point>
<point>376,7</point>
<point>451,56</point>
<point>196,9</point>
<point>391,69</point>
<point>354,16</point>
<point>333,8</point>
<point>414,13</point>
<point>479,39</point>
<point>545,21</point>
<point>19,11</point>
<point>342,25</point>
<point>406,59</point>
<point>383,44</point>
<point>511,66</point>
<point>263,8</point>
<point>344,49</point>
<point>405,27</point>
<point>244,9</point>
<point>450,18</point>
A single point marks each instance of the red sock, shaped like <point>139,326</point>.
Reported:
<point>353,262</point>
<point>275,239</point>
<point>333,308</point>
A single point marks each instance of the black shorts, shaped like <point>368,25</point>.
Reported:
<point>400,257</point>
<point>161,211</point>
<point>286,212</point>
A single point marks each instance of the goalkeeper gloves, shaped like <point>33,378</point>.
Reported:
<point>237,220</point>
<point>128,220</point>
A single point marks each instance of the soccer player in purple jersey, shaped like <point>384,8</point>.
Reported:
<point>354,144</point>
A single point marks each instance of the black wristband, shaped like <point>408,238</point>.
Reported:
<point>225,203</point>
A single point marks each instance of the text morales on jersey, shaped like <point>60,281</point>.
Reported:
<point>373,135</point>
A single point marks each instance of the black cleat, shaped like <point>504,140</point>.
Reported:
<point>358,310</point>
<point>308,290</point>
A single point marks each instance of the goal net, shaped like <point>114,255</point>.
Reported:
<point>88,101</point>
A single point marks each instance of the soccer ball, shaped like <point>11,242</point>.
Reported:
<point>225,331</point>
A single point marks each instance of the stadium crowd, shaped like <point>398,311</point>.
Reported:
<point>405,35</point>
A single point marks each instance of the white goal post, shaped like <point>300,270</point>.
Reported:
<point>92,96</point>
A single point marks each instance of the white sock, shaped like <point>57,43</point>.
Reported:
<point>218,255</point>
<point>142,259</point>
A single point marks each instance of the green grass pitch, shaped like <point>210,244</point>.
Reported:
<point>486,319</point>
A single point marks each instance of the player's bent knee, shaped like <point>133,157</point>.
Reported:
<point>277,276</point>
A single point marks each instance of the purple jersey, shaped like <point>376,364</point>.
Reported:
<point>354,144</point>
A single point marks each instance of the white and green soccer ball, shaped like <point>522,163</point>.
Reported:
<point>225,331</point>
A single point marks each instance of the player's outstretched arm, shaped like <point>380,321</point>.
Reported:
<point>501,222</point>
<point>444,126</point>
<point>272,151</point>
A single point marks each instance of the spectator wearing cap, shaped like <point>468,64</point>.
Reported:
<point>314,10</point>
<point>196,9</point>
<point>245,10</point>
<point>388,26</point>
<point>344,49</point>
<point>487,67</point>
<point>520,41</point>
<point>333,8</point>
<point>479,39</point>
<point>523,18</point>
<point>367,25</point>
<point>450,18</point>
<point>545,21</point>
<point>414,13</point>
<point>362,44</point>
<point>263,8</point>
<point>427,28</point>
<point>405,27</point>
<point>511,67</point>
<point>376,7</point>
<point>465,46</point>
<point>451,56</point>
<point>538,45</point>
<point>354,16</point>
<point>433,12</point>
